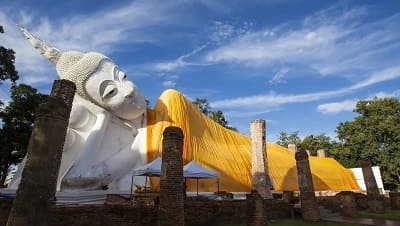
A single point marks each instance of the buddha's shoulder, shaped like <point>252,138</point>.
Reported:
<point>171,95</point>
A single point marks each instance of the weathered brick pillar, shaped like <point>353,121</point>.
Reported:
<point>171,210</point>
<point>37,188</point>
<point>256,210</point>
<point>292,148</point>
<point>321,153</point>
<point>375,200</point>
<point>348,205</point>
<point>259,162</point>
<point>394,200</point>
<point>309,205</point>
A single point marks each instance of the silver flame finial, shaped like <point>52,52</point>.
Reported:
<point>49,52</point>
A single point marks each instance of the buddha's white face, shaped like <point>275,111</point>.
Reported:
<point>109,87</point>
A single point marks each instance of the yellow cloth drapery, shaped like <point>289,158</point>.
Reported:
<point>228,152</point>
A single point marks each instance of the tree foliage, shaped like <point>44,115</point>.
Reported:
<point>313,143</point>
<point>286,139</point>
<point>7,60</point>
<point>17,117</point>
<point>203,105</point>
<point>217,115</point>
<point>374,134</point>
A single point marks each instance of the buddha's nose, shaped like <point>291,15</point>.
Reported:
<point>129,91</point>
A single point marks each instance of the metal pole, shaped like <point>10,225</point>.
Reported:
<point>131,199</point>
<point>145,186</point>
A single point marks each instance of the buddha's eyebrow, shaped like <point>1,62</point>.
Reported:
<point>103,85</point>
<point>115,72</point>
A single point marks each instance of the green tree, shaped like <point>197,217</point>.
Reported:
<point>17,117</point>
<point>285,139</point>
<point>316,142</point>
<point>218,116</point>
<point>374,134</point>
<point>203,105</point>
<point>7,60</point>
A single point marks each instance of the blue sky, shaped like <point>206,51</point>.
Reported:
<point>300,65</point>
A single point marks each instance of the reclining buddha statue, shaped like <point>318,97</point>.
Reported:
<point>111,132</point>
<point>107,129</point>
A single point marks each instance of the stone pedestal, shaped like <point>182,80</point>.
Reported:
<point>395,200</point>
<point>259,162</point>
<point>309,205</point>
<point>375,200</point>
<point>348,204</point>
<point>256,211</point>
<point>36,191</point>
<point>171,208</point>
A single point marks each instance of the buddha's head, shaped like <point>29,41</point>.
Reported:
<point>97,79</point>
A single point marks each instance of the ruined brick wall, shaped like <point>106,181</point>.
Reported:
<point>198,211</point>
<point>209,212</point>
<point>104,215</point>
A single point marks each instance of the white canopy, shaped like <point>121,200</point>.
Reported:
<point>150,169</point>
<point>194,170</point>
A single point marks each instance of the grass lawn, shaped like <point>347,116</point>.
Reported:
<point>388,215</point>
<point>299,222</point>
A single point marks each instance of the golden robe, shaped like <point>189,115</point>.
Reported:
<point>228,152</point>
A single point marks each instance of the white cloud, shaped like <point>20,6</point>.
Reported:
<point>331,43</point>
<point>334,108</point>
<point>222,32</point>
<point>272,99</point>
<point>279,76</point>
<point>380,76</point>
<point>180,62</point>
<point>350,105</point>
<point>248,114</point>
<point>219,33</point>
<point>169,84</point>
<point>395,93</point>
<point>98,31</point>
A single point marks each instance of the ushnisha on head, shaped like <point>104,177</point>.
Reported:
<point>96,77</point>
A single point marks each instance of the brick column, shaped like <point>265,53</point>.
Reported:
<point>256,211</point>
<point>259,162</point>
<point>375,200</point>
<point>321,153</point>
<point>292,148</point>
<point>348,205</point>
<point>309,205</point>
<point>37,188</point>
<point>171,211</point>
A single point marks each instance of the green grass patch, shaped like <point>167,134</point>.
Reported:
<point>299,222</point>
<point>388,215</point>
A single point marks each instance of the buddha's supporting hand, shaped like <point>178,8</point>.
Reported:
<point>94,178</point>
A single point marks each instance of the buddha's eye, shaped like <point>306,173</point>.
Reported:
<point>109,92</point>
<point>122,76</point>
